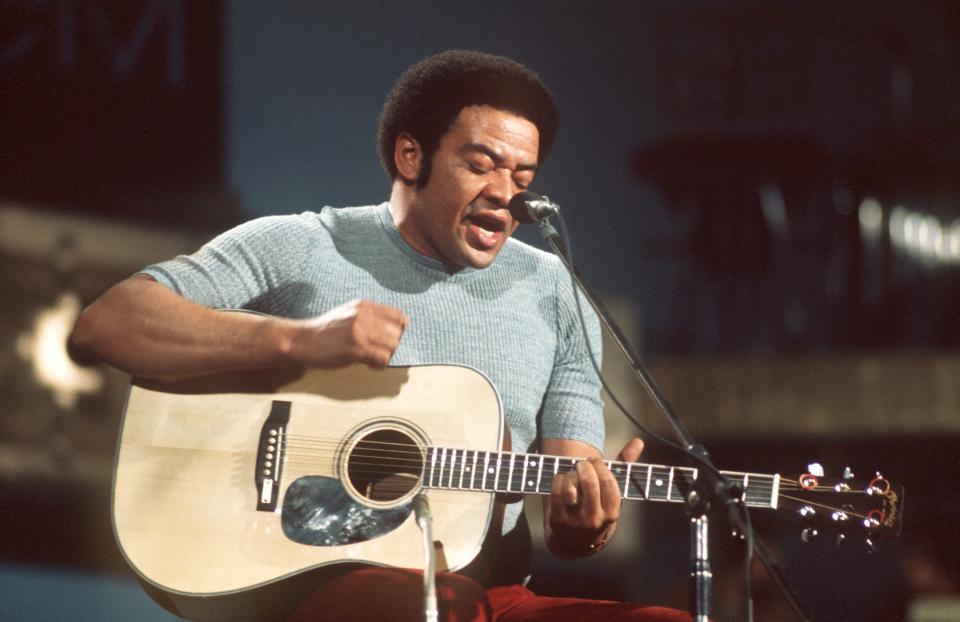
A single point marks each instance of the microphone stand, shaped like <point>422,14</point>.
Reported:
<point>425,521</point>
<point>709,487</point>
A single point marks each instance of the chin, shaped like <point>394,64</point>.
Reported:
<point>481,260</point>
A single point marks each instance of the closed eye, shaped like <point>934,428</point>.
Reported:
<point>479,170</point>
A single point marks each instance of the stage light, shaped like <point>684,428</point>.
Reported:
<point>898,226</point>
<point>46,349</point>
<point>870,214</point>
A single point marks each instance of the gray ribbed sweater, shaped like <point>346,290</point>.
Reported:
<point>515,321</point>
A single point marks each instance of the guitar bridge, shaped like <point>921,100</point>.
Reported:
<point>270,454</point>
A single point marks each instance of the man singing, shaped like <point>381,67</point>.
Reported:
<point>430,276</point>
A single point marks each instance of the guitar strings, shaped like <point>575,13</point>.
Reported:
<point>415,459</point>
<point>413,456</point>
<point>459,471</point>
<point>515,482</point>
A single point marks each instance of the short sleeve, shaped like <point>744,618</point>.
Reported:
<point>572,407</point>
<point>241,266</point>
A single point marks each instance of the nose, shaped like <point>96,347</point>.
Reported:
<point>500,189</point>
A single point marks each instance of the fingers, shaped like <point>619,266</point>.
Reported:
<point>631,451</point>
<point>564,495</point>
<point>589,480</point>
<point>587,496</point>
<point>359,331</point>
<point>376,332</point>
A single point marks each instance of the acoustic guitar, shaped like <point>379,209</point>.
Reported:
<point>232,492</point>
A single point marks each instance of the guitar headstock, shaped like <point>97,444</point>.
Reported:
<point>870,507</point>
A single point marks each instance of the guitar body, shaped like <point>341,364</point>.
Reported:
<point>217,530</point>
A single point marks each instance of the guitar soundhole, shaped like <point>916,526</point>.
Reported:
<point>385,465</point>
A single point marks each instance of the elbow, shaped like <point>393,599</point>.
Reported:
<point>83,341</point>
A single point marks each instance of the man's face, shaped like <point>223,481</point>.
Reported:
<point>460,217</point>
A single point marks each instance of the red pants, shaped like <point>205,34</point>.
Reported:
<point>392,595</point>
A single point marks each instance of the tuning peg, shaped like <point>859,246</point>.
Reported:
<point>808,534</point>
<point>847,473</point>
<point>871,546</point>
<point>841,540</point>
<point>814,468</point>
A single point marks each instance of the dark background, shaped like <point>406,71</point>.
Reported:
<point>768,193</point>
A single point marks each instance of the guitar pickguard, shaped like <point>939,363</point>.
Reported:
<point>317,511</point>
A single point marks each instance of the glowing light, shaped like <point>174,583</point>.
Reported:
<point>953,241</point>
<point>870,214</point>
<point>898,226</point>
<point>921,235</point>
<point>46,347</point>
<point>911,232</point>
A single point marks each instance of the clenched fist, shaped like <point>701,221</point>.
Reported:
<point>359,331</point>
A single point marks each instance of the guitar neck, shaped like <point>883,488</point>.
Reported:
<point>507,472</point>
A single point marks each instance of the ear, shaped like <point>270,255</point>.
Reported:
<point>408,157</point>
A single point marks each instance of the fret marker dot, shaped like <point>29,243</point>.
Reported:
<point>533,463</point>
<point>530,482</point>
<point>659,482</point>
<point>490,470</point>
<point>467,468</point>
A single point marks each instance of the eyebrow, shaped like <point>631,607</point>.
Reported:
<point>496,157</point>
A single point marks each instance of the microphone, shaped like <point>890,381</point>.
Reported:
<point>528,207</point>
<point>421,509</point>
<point>424,519</point>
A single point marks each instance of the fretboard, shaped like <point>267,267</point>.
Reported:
<point>506,472</point>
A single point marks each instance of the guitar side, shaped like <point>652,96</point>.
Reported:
<point>185,498</point>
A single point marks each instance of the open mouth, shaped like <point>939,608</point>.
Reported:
<point>487,228</point>
<point>488,222</point>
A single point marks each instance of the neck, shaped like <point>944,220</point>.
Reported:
<point>402,198</point>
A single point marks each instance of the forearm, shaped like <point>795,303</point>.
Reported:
<point>145,329</point>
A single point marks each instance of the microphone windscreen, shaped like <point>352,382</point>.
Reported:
<point>518,206</point>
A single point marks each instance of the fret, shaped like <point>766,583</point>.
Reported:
<point>657,486</point>
<point>466,471</point>
<point>496,475</point>
<point>473,471</point>
<point>486,470</point>
<point>523,476</point>
<point>762,491</point>
<point>463,460</point>
<point>626,481</point>
<point>433,466</point>
<point>513,458</point>
<point>448,465</point>
<point>453,465</point>
<point>443,463</point>
<point>646,490</point>
<point>539,472</point>
<point>670,484</point>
